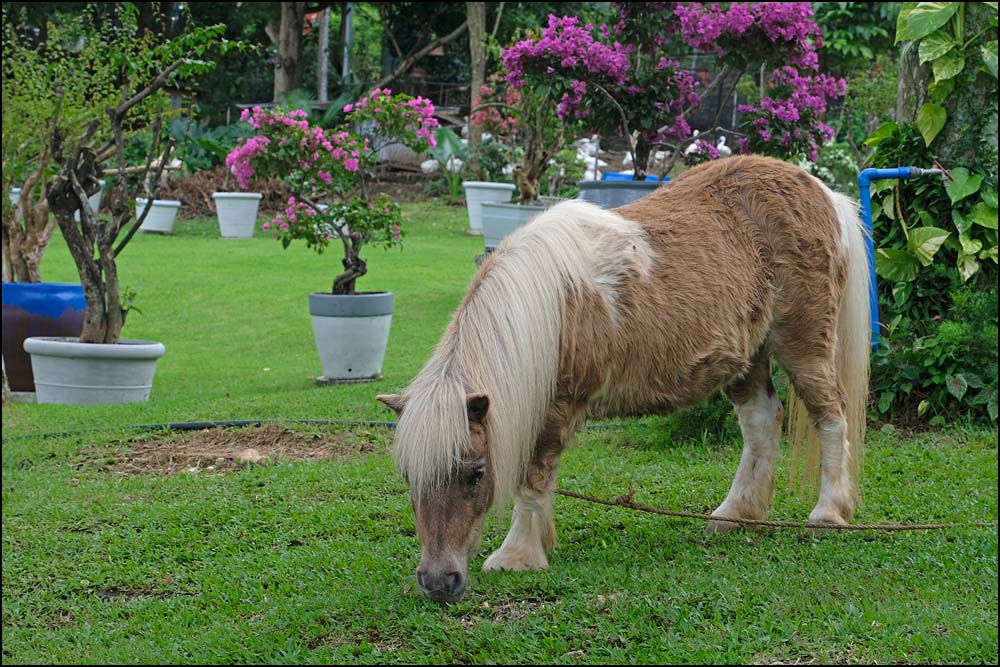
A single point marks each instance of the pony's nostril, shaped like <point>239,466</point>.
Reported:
<point>455,582</point>
<point>420,579</point>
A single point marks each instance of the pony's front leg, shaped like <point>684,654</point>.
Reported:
<point>759,411</point>
<point>532,531</point>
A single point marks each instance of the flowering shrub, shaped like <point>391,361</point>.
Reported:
<point>786,123</point>
<point>328,172</point>
<point>620,78</point>
<point>526,118</point>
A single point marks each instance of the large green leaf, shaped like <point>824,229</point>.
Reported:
<point>962,184</point>
<point>895,265</point>
<point>884,131</point>
<point>924,242</point>
<point>449,145</point>
<point>989,52</point>
<point>936,45</point>
<point>970,246</point>
<point>948,66</point>
<point>957,385</point>
<point>930,119</point>
<point>983,215</point>
<point>967,265</point>
<point>902,32</point>
<point>927,17</point>
<point>990,253</point>
<point>962,223</point>
<point>940,90</point>
<point>989,196</point>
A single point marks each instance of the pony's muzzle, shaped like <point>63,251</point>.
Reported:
<point>442,587</point>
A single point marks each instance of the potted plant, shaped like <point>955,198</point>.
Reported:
<point>334,201</point>
<point>31,306</point>
<point>99,366</point>
<point>624,80</point>
<point>526,118</point>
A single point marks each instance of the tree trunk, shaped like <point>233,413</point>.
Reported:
<point>323,57</point>
<point>914,80</point>
<point>288,65</point>
<point>26,237</point>
<point>476,13</point>
<point>6,385</point>
<point>971,106</point>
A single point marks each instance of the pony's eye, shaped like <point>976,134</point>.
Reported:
<point>477,474</point>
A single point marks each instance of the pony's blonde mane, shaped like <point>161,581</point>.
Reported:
<point>504,341</point>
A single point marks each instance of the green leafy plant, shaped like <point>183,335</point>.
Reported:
<point>923,370</point>
<point>451,155</point>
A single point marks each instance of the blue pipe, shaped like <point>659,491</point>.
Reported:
<point>865,179</point>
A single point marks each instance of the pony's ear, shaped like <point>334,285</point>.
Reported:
<point>478,405</point>
<point>393,401</point>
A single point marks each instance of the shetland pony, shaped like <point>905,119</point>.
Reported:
<point>647,308</point>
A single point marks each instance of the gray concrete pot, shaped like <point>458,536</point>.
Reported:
<point>74,373</point>
<point>500,219</point>
<point>351,333</point>
<point>612,194</point>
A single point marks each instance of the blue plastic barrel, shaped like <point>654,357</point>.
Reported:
<point>37,309</point>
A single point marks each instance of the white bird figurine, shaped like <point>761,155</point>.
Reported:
<point>724,150</point>
<point>693,146</point>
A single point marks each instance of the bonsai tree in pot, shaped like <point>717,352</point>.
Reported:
<point>524,116</point>
<point>144,68</point>
<point>335,201</point>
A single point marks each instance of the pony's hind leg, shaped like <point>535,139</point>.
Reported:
<point>822,398</point>
<point>759,410</point>
<point>532,531</point>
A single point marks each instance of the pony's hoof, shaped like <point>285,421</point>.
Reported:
<point>721,527</point>
<point>514,562</point>
<point>823,518</point>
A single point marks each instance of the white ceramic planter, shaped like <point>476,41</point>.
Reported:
<point>351,332</point>
<point>478,192</point>
<point>73,373</point>
<point>161,216</point>
<point>237,213</point>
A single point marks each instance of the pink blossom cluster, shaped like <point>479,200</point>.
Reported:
<point>786,122</point>
<point>295,213</point>
<point>700,151</point>
<point>415,115</point>
<point>568,46</point>
<point>490,117</point>
<point>287,137</point>
<point>240,159</point>
<point>760,29</point>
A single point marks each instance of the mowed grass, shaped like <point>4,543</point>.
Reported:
<point>311,561</point>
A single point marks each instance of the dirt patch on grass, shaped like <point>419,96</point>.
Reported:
<point>218,450</point>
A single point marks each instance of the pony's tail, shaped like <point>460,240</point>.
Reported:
<point>852,355</point>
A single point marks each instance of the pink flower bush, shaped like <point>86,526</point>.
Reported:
<point>328,172</point>
<point>620,77</point>
<point>786,123</point>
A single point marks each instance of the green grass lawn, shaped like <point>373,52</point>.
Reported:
<point>311,561</point>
